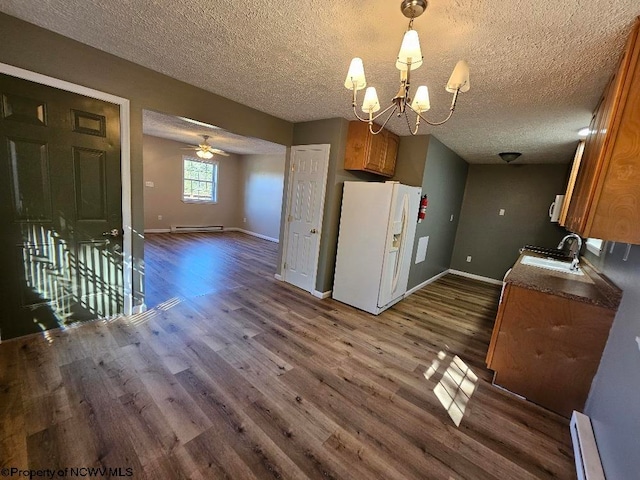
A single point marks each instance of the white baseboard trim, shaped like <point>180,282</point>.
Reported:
<point>157,230</point>
<point>278,277</point>
<point>425,283</point>
<point>585,448</point>
<point>476,277</point>
<point>254,234</point>
<point>321,295</point>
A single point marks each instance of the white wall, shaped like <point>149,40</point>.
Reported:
<point>262,182</point>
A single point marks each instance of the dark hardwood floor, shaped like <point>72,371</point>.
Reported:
<point>189,265</point>
<point>236,375</point>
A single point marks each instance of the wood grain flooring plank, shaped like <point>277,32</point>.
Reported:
<point>178,408</point>
<point>102,416</point>
<point>13,442</point>
<point>339,400</point>
<point>256,449</point>
<point>237,375</point>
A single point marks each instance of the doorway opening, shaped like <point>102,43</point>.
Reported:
<point>212,220</point>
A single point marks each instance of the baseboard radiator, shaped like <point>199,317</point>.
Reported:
<point>196,228</point>
<point>585,450</point>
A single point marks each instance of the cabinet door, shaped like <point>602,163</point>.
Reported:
<point>577,159</point>
<point>547,348</point>
<point>589,164</point>
<point>371,153</point>
<point>606,196</point>
<point>375,159</point>
<point>391,154</point>
<point>358,146</point>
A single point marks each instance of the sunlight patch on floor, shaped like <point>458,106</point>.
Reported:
<point>435,365</point>
<point>455,388</point>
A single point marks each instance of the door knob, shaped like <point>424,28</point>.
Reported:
<point>313,230</point>
<point>114,232</point>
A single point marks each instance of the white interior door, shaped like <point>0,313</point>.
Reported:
<point>307,184</point>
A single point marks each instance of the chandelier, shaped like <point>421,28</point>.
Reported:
<point>409,58</point>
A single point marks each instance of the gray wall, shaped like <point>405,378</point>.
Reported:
<point>614,401</point>
<point>525,192</point>
<point>423,161</point>
<point>163,167</point>
<point>334,132</point>
<point>443,181</point>
<point>33,48</point>
<point>261,184</point>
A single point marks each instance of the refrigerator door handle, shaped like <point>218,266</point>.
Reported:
<point>396,270</point>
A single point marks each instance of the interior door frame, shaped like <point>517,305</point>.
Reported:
<point>125,163</point>
<point>326,148</point>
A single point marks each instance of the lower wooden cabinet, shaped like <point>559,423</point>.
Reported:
<point>371,153</point>
<point>547,348</point>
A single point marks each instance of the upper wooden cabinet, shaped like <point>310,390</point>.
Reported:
<point>371,153</point>
<point>606,199</point>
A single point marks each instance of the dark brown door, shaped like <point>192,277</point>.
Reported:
<point>60,208</point>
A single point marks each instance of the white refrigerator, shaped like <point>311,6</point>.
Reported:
<point>375,244</point>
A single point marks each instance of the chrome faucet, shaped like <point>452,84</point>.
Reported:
<point>576,253</point>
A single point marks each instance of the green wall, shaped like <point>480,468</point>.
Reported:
<point>426,162</point>
<point>493,241</point>
<point>33,48</point>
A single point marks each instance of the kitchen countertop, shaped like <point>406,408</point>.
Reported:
<point>592,287</point>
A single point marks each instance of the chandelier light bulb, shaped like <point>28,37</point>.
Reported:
<point>409,51</point>
<point>421,100</point>
<point>370,103</point>
<point>459,78</point>
<point>355,76</point>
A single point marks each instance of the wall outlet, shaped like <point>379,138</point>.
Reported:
<point>469,258</point>
<point>244,220</point>
<point>149,184</point>
<point>159,217</point>
<point>451,219</point>
<point>501,212</point>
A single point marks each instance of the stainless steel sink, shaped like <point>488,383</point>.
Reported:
<point>549,264</point>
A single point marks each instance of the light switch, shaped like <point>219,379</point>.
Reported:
<point>149,184</point>
<point>638,341</point>
<point>501,211</point>
<point>159,217</point>
<point>469,258</point>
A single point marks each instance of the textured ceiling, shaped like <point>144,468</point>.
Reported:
<point>537,68</point>
<point>179,130</point>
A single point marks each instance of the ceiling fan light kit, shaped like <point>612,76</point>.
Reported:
<point>409,59</point>
<point>204,154</point>
<point>205,150</point>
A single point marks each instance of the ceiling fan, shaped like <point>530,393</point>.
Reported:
<point>205,150</point>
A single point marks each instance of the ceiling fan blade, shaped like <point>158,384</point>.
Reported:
<point>217,151</point>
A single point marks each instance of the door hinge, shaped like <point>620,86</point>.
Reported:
<point>285,265</point>
<point>293,167</point>
<point>290,218</point>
